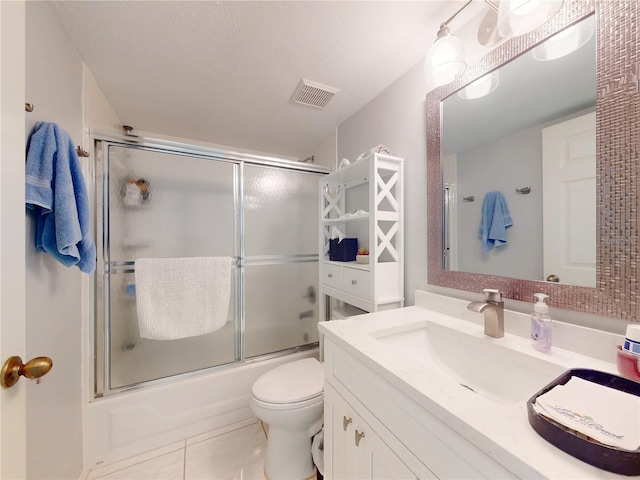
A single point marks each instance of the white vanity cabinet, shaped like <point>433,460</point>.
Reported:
<point>357,452</point>
<point>364,201</point>
<point>401,438</point>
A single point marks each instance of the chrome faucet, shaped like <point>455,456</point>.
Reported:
<point>493,310</point>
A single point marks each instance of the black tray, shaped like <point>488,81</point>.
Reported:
<point>613,459</point>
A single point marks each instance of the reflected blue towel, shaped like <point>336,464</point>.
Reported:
<point>495,220</point>
<point>56,192</point>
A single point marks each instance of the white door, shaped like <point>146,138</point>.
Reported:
<point>569,200</point>
<point>12,234</point>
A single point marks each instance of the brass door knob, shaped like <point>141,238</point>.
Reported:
<point>13,368</point>
<point>553,278</point>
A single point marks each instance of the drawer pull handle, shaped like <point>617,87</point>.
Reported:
<point>354,282</point>
<point>345,423</point>
<point>359,436</point>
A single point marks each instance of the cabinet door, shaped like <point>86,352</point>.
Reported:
<point>376,461</point>
<point>353,451</point>
<point>340,454</point>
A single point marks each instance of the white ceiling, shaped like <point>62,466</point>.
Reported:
<point>224,71</point>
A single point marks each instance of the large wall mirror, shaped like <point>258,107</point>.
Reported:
<point>556,140</point>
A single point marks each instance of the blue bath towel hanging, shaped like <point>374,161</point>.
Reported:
<point>56,192</point>
<point>495,220</point>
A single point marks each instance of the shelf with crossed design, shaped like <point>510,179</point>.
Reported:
<point>364,201</point>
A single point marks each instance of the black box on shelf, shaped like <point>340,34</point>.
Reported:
<point>344,250</point>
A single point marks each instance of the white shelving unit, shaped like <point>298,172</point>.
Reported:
<point>364,201</point>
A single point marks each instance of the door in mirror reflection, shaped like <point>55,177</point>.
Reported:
<point>569,200</point>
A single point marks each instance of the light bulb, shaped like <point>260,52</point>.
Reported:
<point>481,87</point>
<point>445,60</point>
<point>517,17</point>
<point>564,42</point>
<point>523,7</point>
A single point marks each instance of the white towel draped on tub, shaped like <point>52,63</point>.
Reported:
<point>182,297</point>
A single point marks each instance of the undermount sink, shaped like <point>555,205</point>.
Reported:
<point>474,361</point>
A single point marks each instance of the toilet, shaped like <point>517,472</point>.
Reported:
<point>289,399</point>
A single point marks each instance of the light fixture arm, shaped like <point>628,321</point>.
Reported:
<point>460,10</point>
<point>491,5</point>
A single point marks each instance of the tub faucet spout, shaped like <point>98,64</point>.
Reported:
<point>493,310</point>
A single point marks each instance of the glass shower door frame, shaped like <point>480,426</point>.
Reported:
<point>100,288</point>
<point>102,342</point>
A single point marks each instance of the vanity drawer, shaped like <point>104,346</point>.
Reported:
<point>331,275</point>
<point>356,282</point>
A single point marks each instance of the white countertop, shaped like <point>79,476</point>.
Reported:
<point>501,430</point>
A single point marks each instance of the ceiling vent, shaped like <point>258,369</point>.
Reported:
<point>313,94</point>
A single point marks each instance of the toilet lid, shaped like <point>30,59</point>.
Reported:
<point>293,382</point>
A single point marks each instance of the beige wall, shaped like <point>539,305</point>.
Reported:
<point>396,118</point>
<point>325,152</point>
<point>54,292</point>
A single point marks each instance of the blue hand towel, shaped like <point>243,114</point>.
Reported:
<point>495,220</point>
<point>56,192</point>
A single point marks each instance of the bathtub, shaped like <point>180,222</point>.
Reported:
<point>136,421</point>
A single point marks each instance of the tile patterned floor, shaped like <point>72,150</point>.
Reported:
<point>237,455</point>
<point>234,455</point>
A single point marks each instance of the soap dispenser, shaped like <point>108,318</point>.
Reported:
<point>541,324</point>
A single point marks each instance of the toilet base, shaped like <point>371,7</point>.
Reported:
<point>288,455</point>
<point>315,476</point>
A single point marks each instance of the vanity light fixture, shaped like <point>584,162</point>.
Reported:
<point>564,42</point>
<point>445,59</point>
<point>517,17</point>
<point>481,87</point>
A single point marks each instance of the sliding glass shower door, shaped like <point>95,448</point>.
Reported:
<point>281,266</point>
<point>162,204</point>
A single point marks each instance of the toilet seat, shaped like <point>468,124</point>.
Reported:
<point>296,383</point>
<point>287,406</point>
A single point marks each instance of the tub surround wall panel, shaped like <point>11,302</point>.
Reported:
<point>135,422</point>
